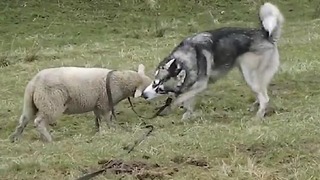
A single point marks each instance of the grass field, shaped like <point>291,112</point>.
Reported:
<point>120,35</point>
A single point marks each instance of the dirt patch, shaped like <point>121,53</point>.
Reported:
<point>256,150</point>
<point>191,161</point>
<point>141,170</point>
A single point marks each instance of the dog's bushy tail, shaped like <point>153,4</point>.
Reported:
<point>271,20</point>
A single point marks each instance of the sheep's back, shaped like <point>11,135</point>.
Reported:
<point>78,89</point>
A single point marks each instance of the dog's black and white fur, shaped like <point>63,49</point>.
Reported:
<point>207,56</point>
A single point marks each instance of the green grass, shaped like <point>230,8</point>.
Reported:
<point>121,34</point>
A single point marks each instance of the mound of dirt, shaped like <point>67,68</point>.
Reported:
<point>190,161</point>
<point>139,169</point>
<point>142,170</point>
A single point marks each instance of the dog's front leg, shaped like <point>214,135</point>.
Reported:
<point>168,109</point>
<point>188,106</point>
<point>187,99</point>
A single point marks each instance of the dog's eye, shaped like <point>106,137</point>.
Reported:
<point>160,90</point>
<point>155,83</point>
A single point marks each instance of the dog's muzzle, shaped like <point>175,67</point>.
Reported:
<point>150,92</point>
<point>156,89</point>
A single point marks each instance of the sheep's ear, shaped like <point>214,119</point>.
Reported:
<point>141,69</point>
<point>138,93</point>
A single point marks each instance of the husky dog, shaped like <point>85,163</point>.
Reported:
<point>207,56</point>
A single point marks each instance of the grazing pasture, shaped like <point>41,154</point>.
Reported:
<point>121,35</point>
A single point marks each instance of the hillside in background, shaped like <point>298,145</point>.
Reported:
<point>72,22</point>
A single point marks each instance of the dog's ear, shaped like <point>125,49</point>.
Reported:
<point>173,67</point>
<point>181,77</point>
<point>170,64</point>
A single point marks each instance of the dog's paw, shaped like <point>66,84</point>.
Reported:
<point>13,138</point>
<point>253,107</point>
<point>46,138</point>
<point>165,112</point>
<point>260,115</point>
<point>187,116</point>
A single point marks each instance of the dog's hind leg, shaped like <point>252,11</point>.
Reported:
<point>263,102</point>
<point>258,76</point>
<point>266,71</point>
<point>265,78</point>
<point>251,80</point>
<point>251,77</point>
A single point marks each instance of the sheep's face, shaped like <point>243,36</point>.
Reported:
<point>144,83</point>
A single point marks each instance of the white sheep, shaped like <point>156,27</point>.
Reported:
<point>75,90</point>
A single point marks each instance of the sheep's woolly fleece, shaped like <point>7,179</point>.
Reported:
<point>74,90</point>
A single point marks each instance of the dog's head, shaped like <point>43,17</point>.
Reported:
<point>169,78</point>
<point>144,83</point>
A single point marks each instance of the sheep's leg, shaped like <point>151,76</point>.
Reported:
<point>97,123</point>
<point>110,119</point>
<point>102,115</point>
<point>97,113</point>
<point>40,123</point>
<point>107,116</point>
<point>44,119</point>
<point>23,121</point>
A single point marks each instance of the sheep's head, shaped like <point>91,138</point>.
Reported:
<point>144,83</point>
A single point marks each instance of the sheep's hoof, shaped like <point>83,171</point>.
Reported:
<point>111,125</point>
<point>96,129</point>
<point>53,124</point>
